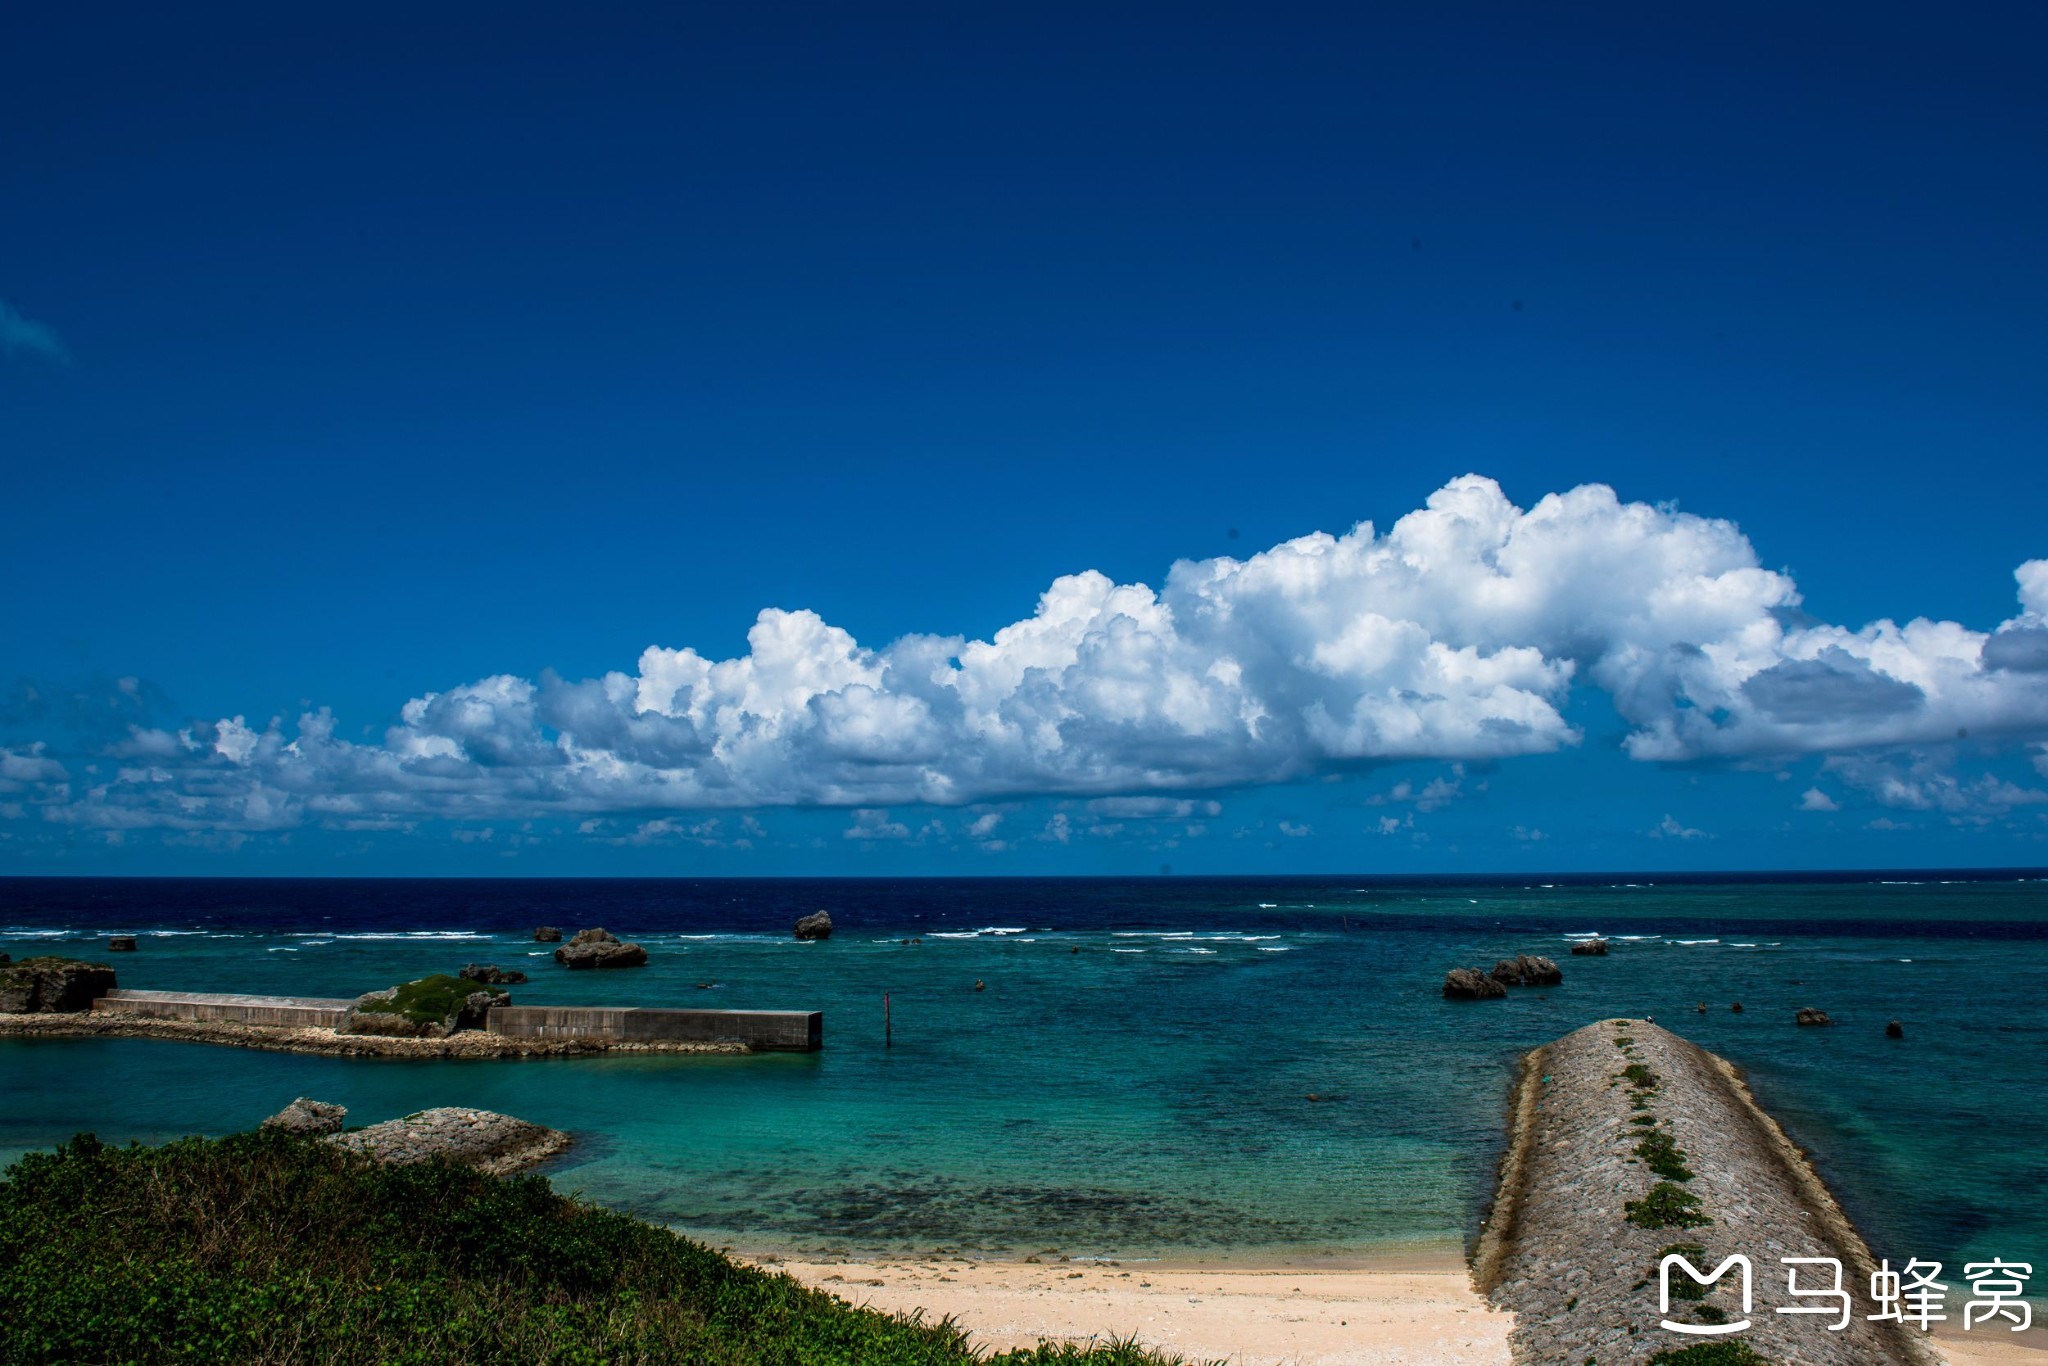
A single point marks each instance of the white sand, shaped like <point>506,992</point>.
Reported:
<point>1423,1314</point>
<point>1417,1312</point>
<point>1996,1345</point>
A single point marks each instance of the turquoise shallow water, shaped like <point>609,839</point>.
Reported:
<point>1136,1077</point>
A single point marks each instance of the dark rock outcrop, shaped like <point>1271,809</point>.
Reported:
<point>1894,1030</point>
<point>1810,1016</point>
<point>494,1143</point>
<point>308,1118</point>
<point>600,949</point>
<point>49,986</point>
<point>1527,970</point>
<point>121,943</point>
<point>1590,948</point>
<point>547,934</point>
<point>1470,984</point>
<point>492,975</point>
<point>817,926</point>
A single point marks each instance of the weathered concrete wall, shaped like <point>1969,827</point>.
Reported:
<point>783,1030</point>
<point>283,1011</point>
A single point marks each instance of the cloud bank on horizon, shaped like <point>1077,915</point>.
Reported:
<point>1458,634</point>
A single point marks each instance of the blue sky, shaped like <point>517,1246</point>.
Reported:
<point>353,358</point>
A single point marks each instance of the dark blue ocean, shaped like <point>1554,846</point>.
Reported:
<point>1135,1077</point>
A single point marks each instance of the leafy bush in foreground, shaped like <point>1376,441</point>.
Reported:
<point>263,1247</point>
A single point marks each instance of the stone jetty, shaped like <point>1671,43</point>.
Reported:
<point>1627,1144</point>
<point>295,1024</point>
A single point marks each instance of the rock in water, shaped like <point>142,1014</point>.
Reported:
<point>547,934</point>
<point>600,949</point>
<point>493,1143</point>
<point>1527,971</point>
<point>1810,1016</point>
<point>1469,984</point>
<point>121,943</point>
<point>817,926</point>
<point>493,975</point>
<point>309,1118</point>
<point>1590,948</point>
<point>52,986</point>
<point>1894,1030</point>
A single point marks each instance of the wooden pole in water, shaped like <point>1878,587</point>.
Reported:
<point>887,1041</point>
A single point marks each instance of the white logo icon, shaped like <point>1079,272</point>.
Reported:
<point>1701,1278</point>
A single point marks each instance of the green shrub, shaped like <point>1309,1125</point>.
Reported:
<point>1662,1155</point>
<point>1666,1206</point>
<point>1683,1287</point>
<point>1710,1354</point>
<point>266,1248</point>
<point>430,1000</point>
<point>1639,1075</point>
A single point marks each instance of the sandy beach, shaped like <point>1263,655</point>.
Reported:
<point>1422,1312</point>
<point>1418,1312</point>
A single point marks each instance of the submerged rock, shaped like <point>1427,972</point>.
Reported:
<point>547,934</point>
<point>492,975</point>
<point>50,986</point>
<point>818,926</point>
<point>121,943</point>
<point>1590,948</point>
<point>599,949</point>
<point>1470,984</point>
<point>493,1143</point>
<point>1810,1016</point>
<point>309,1118</point>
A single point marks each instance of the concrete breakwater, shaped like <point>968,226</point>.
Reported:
<point>1627,1144</point>
<point>289,1012</point>
<point>770,1030</point>
<point>312,1025</point>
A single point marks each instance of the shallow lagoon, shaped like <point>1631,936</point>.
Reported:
<point>1146,1095</point>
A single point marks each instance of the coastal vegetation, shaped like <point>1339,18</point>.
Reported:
<point>1666,1206</point>
<point>1711,1354</point>
<point>1661,1154</point>
<point>428,1000</point>
<point>269,1247</point>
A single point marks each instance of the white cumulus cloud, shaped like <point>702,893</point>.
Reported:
<point>1457,634</point>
